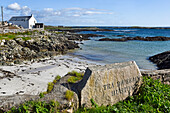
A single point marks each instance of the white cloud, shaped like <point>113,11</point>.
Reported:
<point>25,10</point>
<point>68,15</point>
<point>48,9</point>
<point>14,7</point>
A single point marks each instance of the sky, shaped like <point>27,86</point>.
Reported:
<point>91,12</point>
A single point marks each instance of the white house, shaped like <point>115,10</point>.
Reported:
<point>27,22</point>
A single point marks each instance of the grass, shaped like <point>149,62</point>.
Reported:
<point>11,36</point>
<point>69,95</point>
<point>153,97</point>
<point>37,107</point>
<point>75,76</point>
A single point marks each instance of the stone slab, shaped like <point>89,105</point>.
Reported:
<point>109,84</point>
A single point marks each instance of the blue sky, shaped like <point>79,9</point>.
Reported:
<point>92,12</point>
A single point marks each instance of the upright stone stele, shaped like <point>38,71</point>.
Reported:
<point>109,84</point>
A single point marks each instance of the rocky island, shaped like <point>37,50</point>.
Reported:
<point>162,60</point>
<point>156,38</point>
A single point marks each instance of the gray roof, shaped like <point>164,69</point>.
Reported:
<point>20,18</point>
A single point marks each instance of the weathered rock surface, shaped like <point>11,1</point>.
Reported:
<point>163,75</point>
<point>108,84</point>
<point>156,38</point>
<point>162,60</point>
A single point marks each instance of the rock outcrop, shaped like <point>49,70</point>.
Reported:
<point>156,38</point>
<point>162,60</point>
<point>17,50</point>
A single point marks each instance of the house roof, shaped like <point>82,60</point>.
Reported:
<point>20,18</point>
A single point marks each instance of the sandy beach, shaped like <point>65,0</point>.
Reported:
<point>32,78</point>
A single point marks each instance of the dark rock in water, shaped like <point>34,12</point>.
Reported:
<point>73,30</point>
<point>113,39</point>
<point>157,38</point>
<point>109,84</point>
<point>162,60</point>
<point>81,37</point>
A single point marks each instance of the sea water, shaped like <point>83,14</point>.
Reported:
<point>107,52</point>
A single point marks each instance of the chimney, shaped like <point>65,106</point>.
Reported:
<point>32,15</point>
<point>2,13</point>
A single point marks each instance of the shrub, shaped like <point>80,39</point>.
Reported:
<point>69,95</point>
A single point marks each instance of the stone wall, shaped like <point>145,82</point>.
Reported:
<point>163,75</point>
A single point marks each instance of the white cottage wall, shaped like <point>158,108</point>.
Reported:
<point>32,22</point>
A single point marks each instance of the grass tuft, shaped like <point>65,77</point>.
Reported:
<point>50,87</point>
<point>75,76</point>
<point>69,95</point>
<point>57,78</point>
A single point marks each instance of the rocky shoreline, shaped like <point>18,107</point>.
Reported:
<point>39,45</point>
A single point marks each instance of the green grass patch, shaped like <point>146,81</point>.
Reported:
<point>69,95</point>
<point>12,36</point>
<point>75,76</point>
<point>37,107</point>
<point>153,97</point>
<point>26,38</point>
